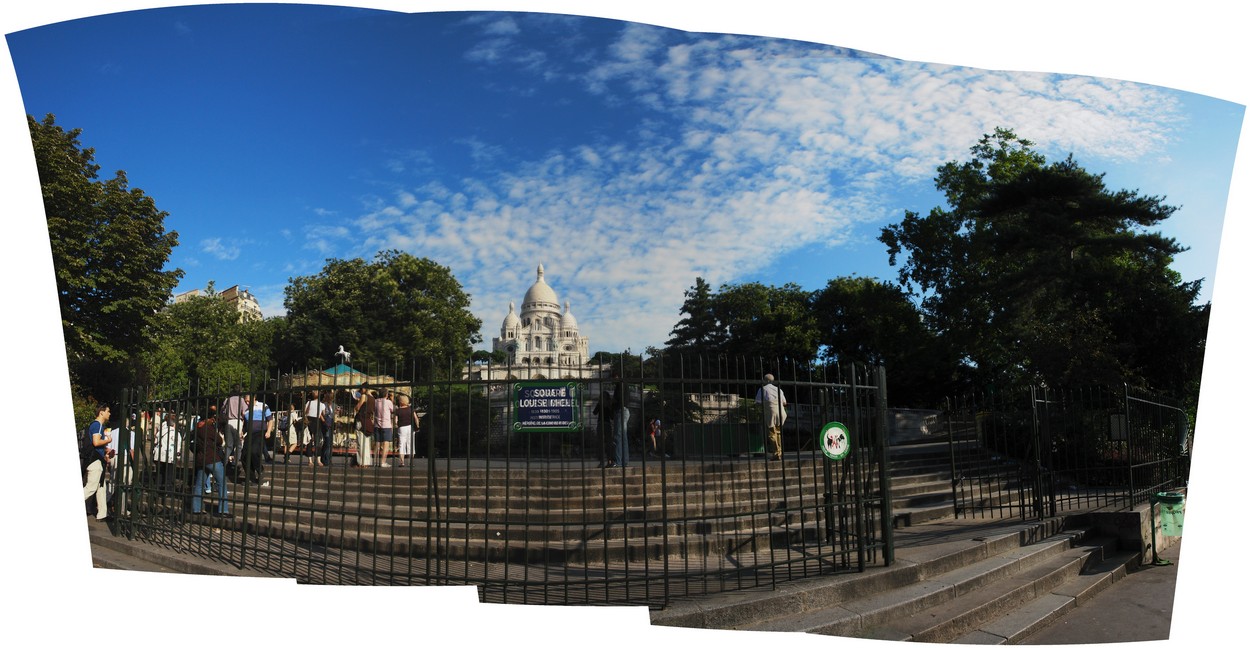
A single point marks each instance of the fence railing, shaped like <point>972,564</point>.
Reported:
<point>506,485</point>
<point>1034,452</point>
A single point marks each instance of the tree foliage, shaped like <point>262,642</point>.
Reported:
<point>699,331</point>
<point>865,321</point>
<point>198,346</point>
<point>749,320</point>
<point>394,309</point>
<point>109,251</point>
<point>1037,271</point>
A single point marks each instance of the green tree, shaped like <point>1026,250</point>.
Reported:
<point>1037,271</point>
<point>749,320</point>
<point>109,251</point>
<point>395,309</point>
<point>866,321</point>
<point>698,332</point>
<point>198,346</point>
<point>768,321</point>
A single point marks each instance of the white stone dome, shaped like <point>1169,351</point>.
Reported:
<point>567,321</point>
<point>540,295</point>
<point>511,320</point>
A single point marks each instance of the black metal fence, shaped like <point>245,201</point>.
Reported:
<point>1034,452</point>
<point>489,497</point>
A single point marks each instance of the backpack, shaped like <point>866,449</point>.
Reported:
<point>86,449</point>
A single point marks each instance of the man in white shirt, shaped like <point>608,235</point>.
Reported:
<point>774,415</point>
<point>121,472</point>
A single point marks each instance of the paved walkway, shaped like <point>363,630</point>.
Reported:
<point>1137,608</point>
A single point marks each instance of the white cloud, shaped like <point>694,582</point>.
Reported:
<point>325,238</point>
<point>752,149</point>
<point>219,249</point>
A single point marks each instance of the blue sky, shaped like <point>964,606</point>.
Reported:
<point>193,119</point>
<point>627,158</point>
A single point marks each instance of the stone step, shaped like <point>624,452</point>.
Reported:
<point>913,564</point>
<point>978,603</point>
<point>871,617</point>
<point>520,528</point>
<point>1021,622</point>
<point>116,552</point>
<point>595,546</point>
<point>610,509</point>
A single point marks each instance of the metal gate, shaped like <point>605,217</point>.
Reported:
<point>1034,452</point>
<point>528,516</point>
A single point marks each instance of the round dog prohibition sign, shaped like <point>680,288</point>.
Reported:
<point>834,440</point>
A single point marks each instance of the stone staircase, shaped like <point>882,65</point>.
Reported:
<point>954,580</point>
<point>921,481</point>
<point>560,514</point>
<point>109,551</point>
<point>955,583</point>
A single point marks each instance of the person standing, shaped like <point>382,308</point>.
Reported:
<point>365,417</point>
<point>166,447</point>
<point>120,469</point>
<point>294,428</point>
<point>406,423</point>
<point>605,410</point>
<point>209,462</point>
<point>259,431</point>
<point>233,413</point>
<point>93,486</point>
<point>312,423</point>
<point>329,415</point>
<point>614,406</point>
<point>384,426</point>
<point>620,400</point>
<point>774,400</point>
<point>654,433</point>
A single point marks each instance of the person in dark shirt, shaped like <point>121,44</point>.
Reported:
<point>92,485</point>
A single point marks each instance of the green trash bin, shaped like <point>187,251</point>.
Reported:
<point>1171,513</point>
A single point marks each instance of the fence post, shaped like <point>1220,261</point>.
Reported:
<point>1129,459</point>
<point>827,473</point>
<point>883,434</point>
<point>125,490</point>
<point>950,444</point>
<point>861,554</point>
<point>1038,503</point>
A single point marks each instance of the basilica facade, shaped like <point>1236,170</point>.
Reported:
<point>542,341</point>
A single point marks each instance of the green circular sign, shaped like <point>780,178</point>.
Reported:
<point>834,440</point>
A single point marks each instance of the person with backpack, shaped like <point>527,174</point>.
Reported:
<point>209,462</point>
<point>259,431</point>
<point>232,417</point>
<point>97,438</point>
